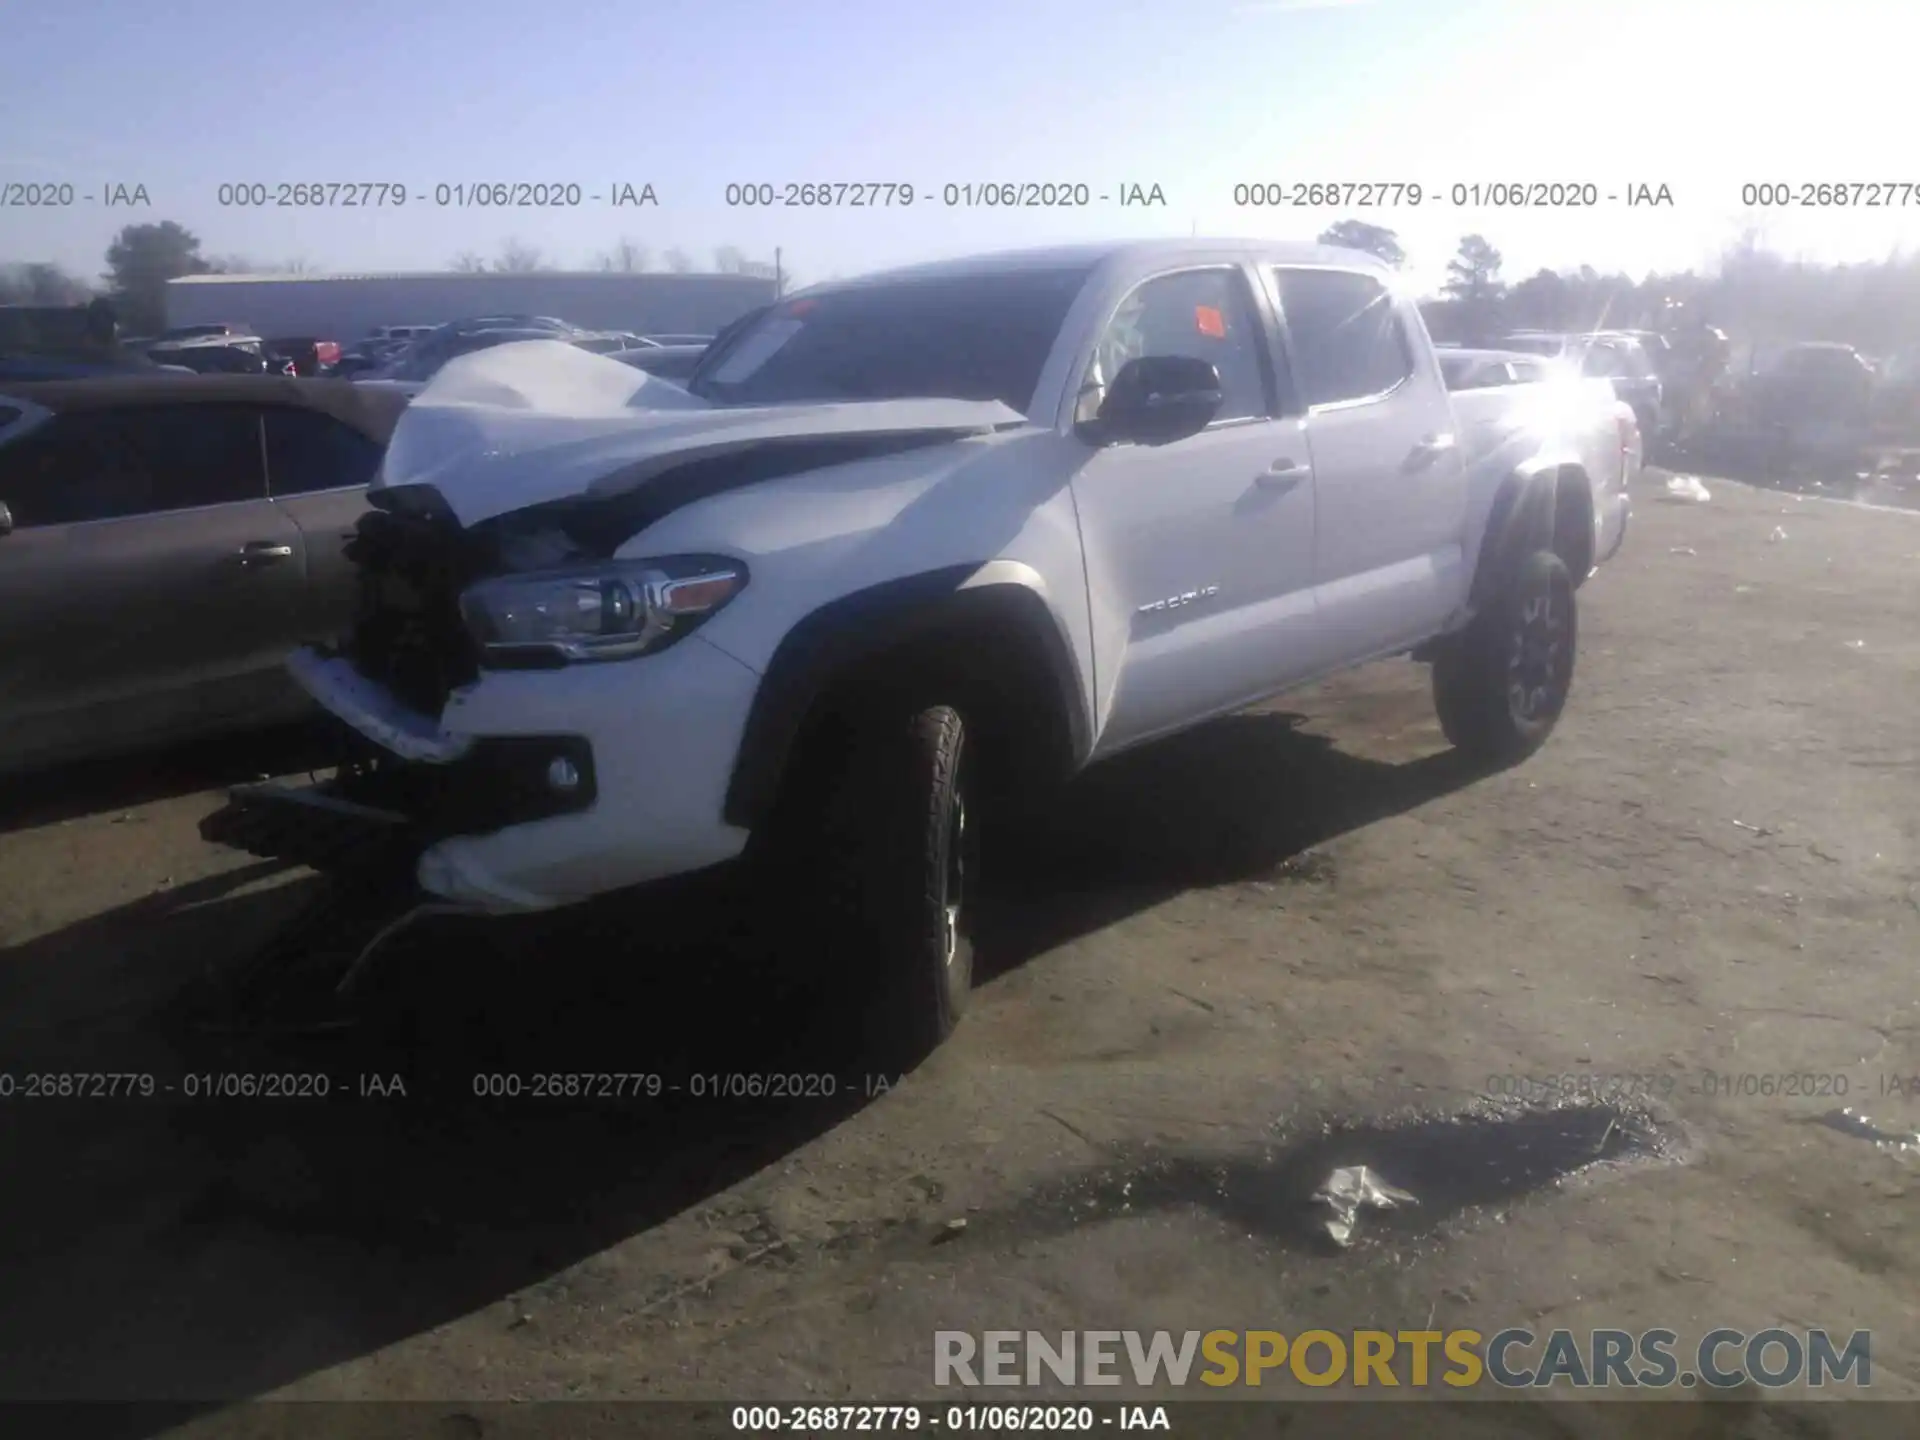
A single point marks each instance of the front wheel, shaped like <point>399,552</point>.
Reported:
<point>1501,685</point>
<point>894,870</point>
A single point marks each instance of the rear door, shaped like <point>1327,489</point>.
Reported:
<point>146,570</point>
<point>1389,560</point>
<point>318,470</point>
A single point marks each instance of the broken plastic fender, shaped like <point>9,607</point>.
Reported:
<point>1350,1189</point>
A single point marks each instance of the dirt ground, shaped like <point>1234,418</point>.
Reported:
<point>1302,914</point>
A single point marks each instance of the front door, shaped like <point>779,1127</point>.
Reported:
<point>318,470</point>
<point>1200,552</point>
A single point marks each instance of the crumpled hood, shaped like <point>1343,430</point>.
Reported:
<point>541,420</point>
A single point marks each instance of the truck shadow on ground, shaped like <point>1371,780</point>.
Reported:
<point>91,787</point>
<point>210,1249</point>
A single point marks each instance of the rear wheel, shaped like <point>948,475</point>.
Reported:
<point>1501,685</point>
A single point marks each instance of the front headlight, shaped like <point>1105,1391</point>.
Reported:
<point>607,610</point>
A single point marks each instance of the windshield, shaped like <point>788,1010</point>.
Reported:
<point>968,337</point>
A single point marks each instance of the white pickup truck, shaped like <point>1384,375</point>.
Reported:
<point>905,545</point>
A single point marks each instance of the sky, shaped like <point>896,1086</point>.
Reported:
<point>1196,97</point>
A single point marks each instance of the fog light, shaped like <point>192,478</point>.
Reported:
<point>563,775</point>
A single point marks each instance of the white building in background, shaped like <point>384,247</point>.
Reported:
<point>346,307</point>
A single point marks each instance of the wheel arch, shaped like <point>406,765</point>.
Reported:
<point>986,627</point>
<point>1543,506</point>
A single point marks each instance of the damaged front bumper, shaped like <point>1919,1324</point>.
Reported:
<point>534,790</point>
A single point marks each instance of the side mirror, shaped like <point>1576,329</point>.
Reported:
<point>1158,399</point>
<point>6,519</point>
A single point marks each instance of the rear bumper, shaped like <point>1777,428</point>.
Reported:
<point>474,808</point>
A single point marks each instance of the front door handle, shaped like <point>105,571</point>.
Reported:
<point>261,552</point>
<point>1281,475</point>
<point>1429,449</point>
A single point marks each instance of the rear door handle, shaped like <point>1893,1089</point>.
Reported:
<point>261,552</point>
<point>1281,475</point>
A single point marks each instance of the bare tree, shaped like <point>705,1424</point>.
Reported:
<point>626,258</point>
<point>729,260</point>
<point>468,263</point>
<point>678,261</point>
<point>517,258</point>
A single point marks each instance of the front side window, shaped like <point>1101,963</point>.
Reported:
<point>1201,314</point>
<point>308,451</point>
<point>1348,343</point>
<point>196,454</point>
<point>983,336</point>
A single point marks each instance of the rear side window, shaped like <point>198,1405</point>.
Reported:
<point>72,470</point>
<point>1348,343</point>
<point>308,451</point>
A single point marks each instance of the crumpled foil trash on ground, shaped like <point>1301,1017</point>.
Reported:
<point>1687,490</point>
<point>1350,1188</point>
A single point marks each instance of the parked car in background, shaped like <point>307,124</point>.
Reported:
<point>605,342</point>
<point>164,542</point>
<point>1467,369</point>
<point>199,332</point>
<point>1896,392</point>
<point>310,357</point>
<point>904,547</point>
<point>392,335</point>
<point>221,355</point>
<point>367,357</point>
<point>1608,355</point>
<point>1659,348</point>
<point>422,358</point>
<point>1818,382</point>
<point>421,361</point>
<point>670,362</point>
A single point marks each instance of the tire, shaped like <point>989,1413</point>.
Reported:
<point>1501,685</point>
<point>1619,540</point>
<point>892,873</point>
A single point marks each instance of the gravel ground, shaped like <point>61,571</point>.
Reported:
<point>1302,914</point>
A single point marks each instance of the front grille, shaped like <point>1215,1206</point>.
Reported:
<point>408,635</point>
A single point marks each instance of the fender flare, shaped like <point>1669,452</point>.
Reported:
<point>827,643</point>
<point>1520,521</point>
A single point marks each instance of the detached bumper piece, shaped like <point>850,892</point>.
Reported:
<point>306,825</point>
<point>386,813</point>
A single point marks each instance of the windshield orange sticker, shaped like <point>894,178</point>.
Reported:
<point>1209,321</point>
